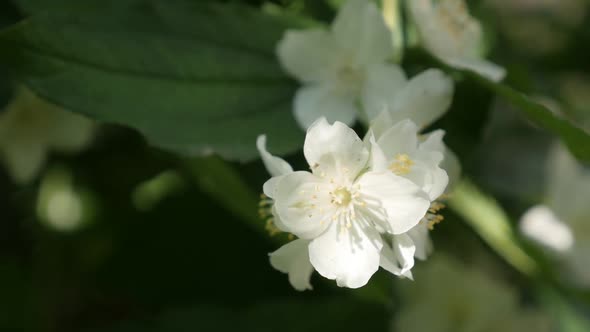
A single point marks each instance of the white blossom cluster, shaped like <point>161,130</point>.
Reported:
<point>366,203</point>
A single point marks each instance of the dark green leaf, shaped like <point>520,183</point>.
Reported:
<point>38,6</point>
<point>193,78</point>
<point>576,138</point>
<point>340,314</point>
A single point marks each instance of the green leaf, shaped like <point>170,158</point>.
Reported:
<point>564,313</point>
<point>490,221</point>
<point>194,78</point>
<point>575,138</point>
<point>36,6</point>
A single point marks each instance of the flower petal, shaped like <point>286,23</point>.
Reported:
<point>302,204</point>
<point>452,166</point>
<point>360,29</point>
<point>421,237</point>
<point>308,55</point>
<point>399,259</point>
<point>396,199</point>
<point>378,161</point>
<point>293,259</point>
<point>315,101</point>
<point>423,100</point>
<point>433,142</point>
<point>348,255</point>
<point>270,186</point>
<point>70,132</point>
<point>334,150</point>
<point>427,172</point>
<point>382,83</point>
<point>382,122</point>
<point>446,28</point>
<point>541,225</point>
<point>274,165</point>
<point>482,67</point>
<point>401,138</point>
<point>23,160</point>
<point>430,178</point>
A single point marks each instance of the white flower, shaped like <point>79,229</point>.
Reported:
<point>31,127</point>
<point>562,224</point>
<point>401,151</point>
<point>342,210</point>
<point>449,32</point>
<point>447,296</point>
<point>335,64</point>
<point>541,225</point>
<point>425,160</point>
<point>423,100</point>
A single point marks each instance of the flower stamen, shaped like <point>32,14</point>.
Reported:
<point>402,164</point>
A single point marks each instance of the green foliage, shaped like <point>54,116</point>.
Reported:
<point>198,78</point>
<point>337,314</point>
<point>490,221</point>
<point>193,78</point>
<point>576,138</point>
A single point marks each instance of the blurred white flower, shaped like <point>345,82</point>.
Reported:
<point>30,128</point>
<point>349,218</point>
<point>447,296</point>
<point>540,224</point>
<point>423,99</point>
<point>61,204</point>
<point>450,33</point>
<point>334,65</point>
<point>562,224</point>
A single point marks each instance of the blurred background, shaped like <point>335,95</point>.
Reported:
<point>115,235</point>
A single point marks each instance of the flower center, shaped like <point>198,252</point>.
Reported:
<point>402,164</point>
<point>349,79</point>
<point>464,31</point>
<point>341,196</point>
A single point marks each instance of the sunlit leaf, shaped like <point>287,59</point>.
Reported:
<point>193,78</point>
<point>490,221</point>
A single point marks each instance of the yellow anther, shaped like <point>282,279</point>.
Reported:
<point>263,213</point>
<point>434,220</point>
<point>402,164</point>
<point>271,228</point>
<point>341,196</point>
<point>435,207</point>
